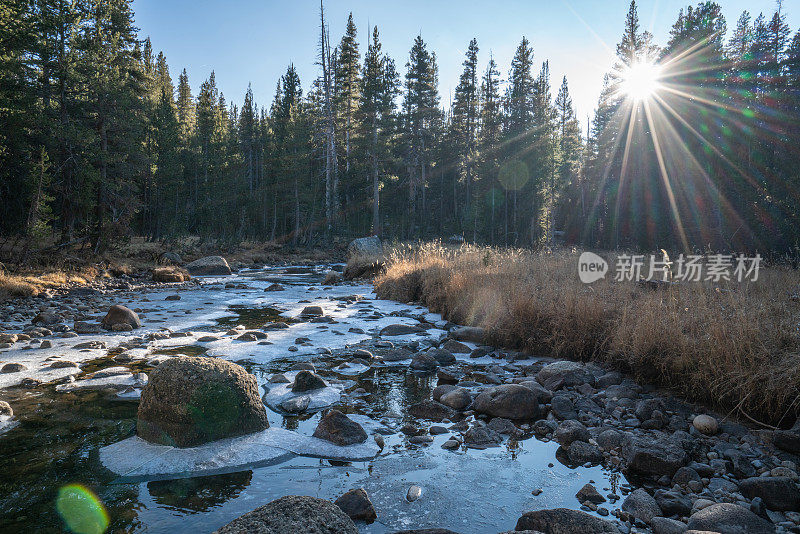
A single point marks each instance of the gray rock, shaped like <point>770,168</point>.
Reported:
<point>312,311</point>
<point>118,314</point>
<point>673,503</point>
<point>431,410</point>
<point>468,333</point>
<point>510,401</point>
<point>581,452</point>
<point>413,493</point>
<point>296,404</point>
<point>5,409</point>
<point>564,521</point>
<point>457,399</point>
<point>441,390</point>
<point>727,518</point>
<point>563,374</point>
<point>401,330</point>
<point>339,429</point>
<point>292,513</point>
<point>481,437</point>
<point>664,525</point>
<point>424,362</point>
<point>778,493</point>
<point>442,356</point>
<point>13,367</point>
<point>307,381</point>
<point>646,456</point>
<point>456,347</point>
<point>569,431</point>
<point>706,424</point>
<point>683,475</point>
<point>63,364</point>
<point>209,266</point>
<point>641,505</point>
<point>356,504</point>
<point>562,407</point>
<point>589,493</point>
<point>611,439</point>
<point>365,246</point>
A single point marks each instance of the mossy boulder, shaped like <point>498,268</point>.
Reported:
<point>189,401</point>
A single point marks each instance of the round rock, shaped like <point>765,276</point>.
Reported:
<point>189,401</point>
<point>293,513</point>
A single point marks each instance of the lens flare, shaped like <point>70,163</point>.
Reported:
<point>641,80</point>
<point>81,510</point>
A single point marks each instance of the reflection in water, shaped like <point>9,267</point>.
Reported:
<point>199,494</point>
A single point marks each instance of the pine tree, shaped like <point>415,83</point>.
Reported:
<point>376,116</point>
<point>347,83</point>
<point>421,118</point>
<point>465,128</point>
<point>490,138</point>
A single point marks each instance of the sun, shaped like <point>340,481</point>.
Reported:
<point>641,80</point>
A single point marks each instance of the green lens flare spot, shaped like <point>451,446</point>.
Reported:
<point>81,510</point>
<point>749,113</point>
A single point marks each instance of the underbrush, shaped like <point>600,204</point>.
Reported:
<point>734,345</point>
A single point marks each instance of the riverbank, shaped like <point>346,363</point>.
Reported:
<point>54,269</point>
<point>730,345</point>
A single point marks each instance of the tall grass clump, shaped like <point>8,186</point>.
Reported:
<point>734,345</point>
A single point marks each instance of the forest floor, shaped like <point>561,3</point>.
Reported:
<point>731,345</point>
<point>53,269</point>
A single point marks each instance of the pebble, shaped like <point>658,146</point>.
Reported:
<point>414,493</point>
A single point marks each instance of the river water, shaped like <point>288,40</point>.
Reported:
<point>58,434</point>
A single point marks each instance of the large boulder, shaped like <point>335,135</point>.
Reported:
<point>564,373</point>
<point>510,401</point>
<point>365,246</point>
<point>170,275</point>
<point>727,518</point>
<point>649,457</point>
<point>339,429</point>
<point>118,314</point>
<point>209,266</point>
<point>293,513</point>
<point>189,401</point>
<point>564,521</point>
<point>778,493</point>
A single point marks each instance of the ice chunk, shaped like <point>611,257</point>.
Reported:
<point>318,398</point>
<point>137,458</point>
<point>121,381</point>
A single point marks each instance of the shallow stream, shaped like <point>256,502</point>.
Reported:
<point>467,490</point>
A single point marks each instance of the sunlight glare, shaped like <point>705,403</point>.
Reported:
<point>640,81</point>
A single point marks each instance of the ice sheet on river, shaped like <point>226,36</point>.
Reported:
<point>137,458</point>
<point>317,398</point>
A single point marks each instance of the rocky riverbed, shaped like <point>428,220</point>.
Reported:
<point>460,435</point>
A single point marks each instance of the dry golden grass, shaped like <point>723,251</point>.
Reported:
<point>31,285</point>
<point>732,345</point>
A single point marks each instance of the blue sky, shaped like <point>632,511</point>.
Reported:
<point>252,41</point>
